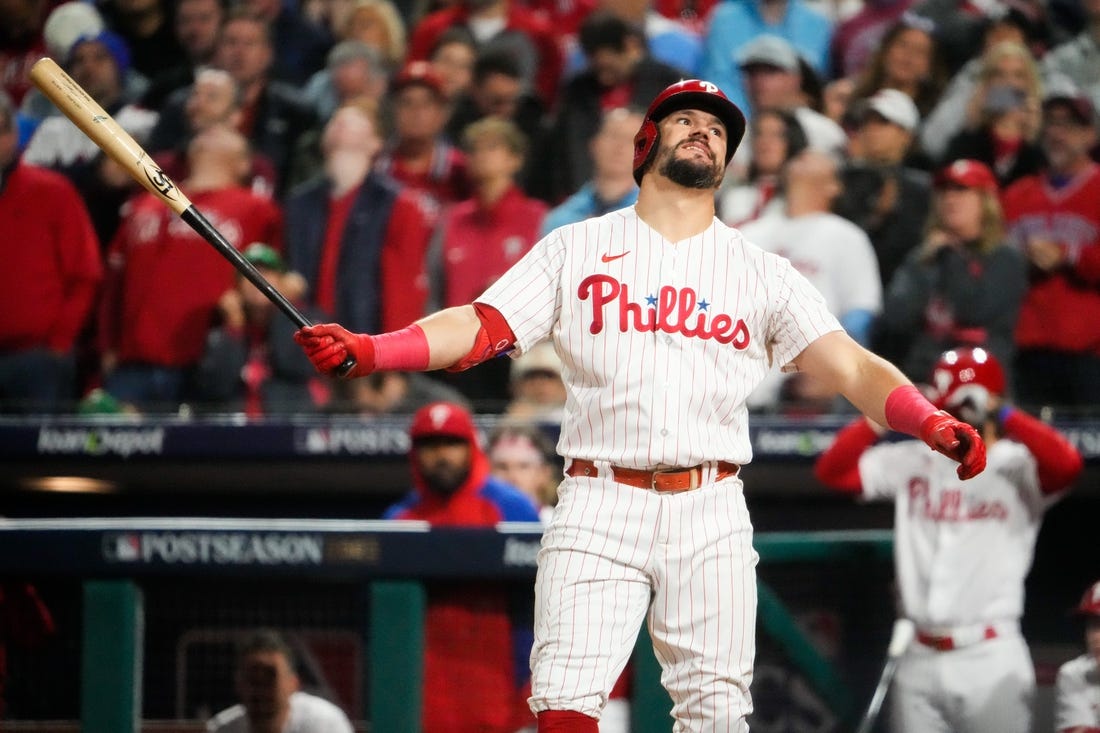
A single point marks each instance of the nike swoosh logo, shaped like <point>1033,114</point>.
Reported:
<point>612,258</point>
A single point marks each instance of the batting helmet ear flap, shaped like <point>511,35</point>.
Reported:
<point>645,144</point>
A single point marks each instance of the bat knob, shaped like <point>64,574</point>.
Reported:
<point>345,368</point>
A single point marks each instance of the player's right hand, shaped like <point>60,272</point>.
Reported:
<point>956,440</point>
<point>328,345</point>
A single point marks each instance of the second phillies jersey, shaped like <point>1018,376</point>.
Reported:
<point>660,342</point>
<point>962,550</point>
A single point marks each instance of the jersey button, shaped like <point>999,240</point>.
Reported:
<point>668,339</point>
<point>664,432</point>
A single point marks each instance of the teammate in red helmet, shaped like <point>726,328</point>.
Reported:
<point>961,551</point>
<point>1077,688</point>
<point>665,320</point>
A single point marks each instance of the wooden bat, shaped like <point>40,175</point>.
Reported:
<point>900,638</point>
<point>104,131</point>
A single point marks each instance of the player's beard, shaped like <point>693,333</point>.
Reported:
<point>689,172</point>
<point>443,477</point>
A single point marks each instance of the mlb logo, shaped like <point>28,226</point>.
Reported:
<point>122,547</point>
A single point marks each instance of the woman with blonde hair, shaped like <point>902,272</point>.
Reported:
<point>378,24</point>
<point>962,285</point>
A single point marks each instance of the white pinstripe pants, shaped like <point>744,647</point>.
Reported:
<point>613,555</point>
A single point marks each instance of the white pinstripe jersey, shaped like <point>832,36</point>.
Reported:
<point>660,342</point>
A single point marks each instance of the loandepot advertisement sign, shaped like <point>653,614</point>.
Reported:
<point>215,548</point>
<point>101,441</point>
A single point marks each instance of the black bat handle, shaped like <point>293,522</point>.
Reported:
<point>206,230</point>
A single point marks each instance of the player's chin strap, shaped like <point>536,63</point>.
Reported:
<point>495,337</point>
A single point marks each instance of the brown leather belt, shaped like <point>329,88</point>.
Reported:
<point>661,479</point>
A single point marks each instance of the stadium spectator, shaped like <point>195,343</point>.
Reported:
<point>676,41</point>
<point>271,698</point>
<point>1054,218</point>
<point>1077,687</point>
<point>772,75</point>
<point>198,23</point>
<point>907,59</point>
<point>969,667</point>
<point>1079,58</point>
<point>453,60</point>
<point>498,90</point>
<point>418,153</point>
<point>146,27</point>
<point>478,239</point>
<point>353,69</point>
<point>21,44</point>
<point>164,282</point>
<point>612,185</point>
<point>733,26</point>
<point>962,284</point>
<point>887,198</point>
<point>831,252</point>
<point>620,72</point>
<point>537,391</point>
<point>1007,63</point>
<point>775,136</point>
<point>301,45</point>
<point>501,25</point>
<point>250,363</point>
<point>99,64</point>
<point>357,236</point>
<point>390,393</point>
<point>474,655</point>
<point>378,24</point>
<point>273,114</point>
<point>214,99</point>
<point>857,39</point>
<point>49,283</point>
<point>521,454</point>
<point>1005,139</point>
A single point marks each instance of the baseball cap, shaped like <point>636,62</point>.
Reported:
<point>1078,104</point>
<point>443,420</point>
<point>768,50</point>
<point>968,174</point>
<point>68,22</point>
<point>264,255</point>
<point>1090,601</point>
<point>539,358</point>
<point>894,106</point>
<point>114,43</point>
<point>419,73</point>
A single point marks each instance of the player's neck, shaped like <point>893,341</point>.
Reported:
<point>675,212</point>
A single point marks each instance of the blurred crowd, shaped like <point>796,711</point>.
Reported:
<point>928,164</point>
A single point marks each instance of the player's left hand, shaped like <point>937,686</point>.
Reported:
<point>956,440</point>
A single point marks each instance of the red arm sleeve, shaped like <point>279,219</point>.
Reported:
<point>1059,462</point>
<point>838,466</point>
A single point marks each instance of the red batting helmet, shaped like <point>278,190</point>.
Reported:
<point>689,94</point>
<point>966,373</point>
<point>1090,602</point>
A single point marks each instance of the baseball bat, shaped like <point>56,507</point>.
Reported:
<point>119,146</point>
<point>900,638</point>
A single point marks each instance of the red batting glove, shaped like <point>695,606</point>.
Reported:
<point>956,440</point>
<point>328,345</point>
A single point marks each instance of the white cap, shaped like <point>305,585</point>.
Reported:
<point>896,107</point>
<point>68,22</point>
<point>768,50</point>
<point>539,358</point>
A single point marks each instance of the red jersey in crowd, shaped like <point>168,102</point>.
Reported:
<point>444,180</point>
<point>164,280</point>
<point>1051,316</point>
<point>477,244</point>
<point>52,263</point>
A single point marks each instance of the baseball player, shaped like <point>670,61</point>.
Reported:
<point>961,552</point>
<point>1077,688</point>
<point>665,320</point>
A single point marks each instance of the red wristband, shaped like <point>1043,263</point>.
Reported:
<point>405,350</point>
<point>907,409</point>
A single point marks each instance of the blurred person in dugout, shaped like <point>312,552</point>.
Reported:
<point>962,284</point>
<point>251,364</point>
<point>49,283</point>
<point>1053,217</point>
<point>1077,687</point>
<point>271,698</point>
<point>521,454</point>
<point>961,554</point>
<point>538,392</point>
<point>477,635</point>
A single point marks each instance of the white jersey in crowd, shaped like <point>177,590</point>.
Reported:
<point>308,714</point>
<point>962,550</point>
<point>1077,694</point>
<point>58,142</point>
<point>660,342</point>
<point>831,252</point>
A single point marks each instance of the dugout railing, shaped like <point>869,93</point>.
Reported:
<point>111,558</point>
